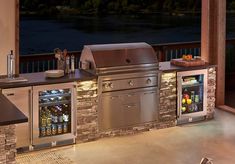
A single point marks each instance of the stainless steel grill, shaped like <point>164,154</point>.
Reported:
<point>127,82</point>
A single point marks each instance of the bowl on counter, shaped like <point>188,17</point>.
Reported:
<point>54,73</point>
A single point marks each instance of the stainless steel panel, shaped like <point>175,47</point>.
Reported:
<point>124,69</point>
<point>126,108</point>
<point>21,98</point>
<point>129,83</point>
<point>117,82</point>
<point>149,105</point>
<point>115,55</point>
<point>41,140</point>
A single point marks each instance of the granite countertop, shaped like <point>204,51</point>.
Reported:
<point>40,79</point>
<point>10,114</point>
<point>168,67</point>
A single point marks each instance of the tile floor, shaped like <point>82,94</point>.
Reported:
<point>186,144</point>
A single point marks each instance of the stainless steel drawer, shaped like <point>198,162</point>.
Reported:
<point>125,108</point>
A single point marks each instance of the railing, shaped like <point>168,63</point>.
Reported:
<point>43,62</point>
<point>165,52</point>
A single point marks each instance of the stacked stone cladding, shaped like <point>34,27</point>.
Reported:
<point>87,114</point>
<point>168,99</point>
<point>7,144</point>
<point>211,89</point>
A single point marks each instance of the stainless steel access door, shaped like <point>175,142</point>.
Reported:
<point>126,108</point>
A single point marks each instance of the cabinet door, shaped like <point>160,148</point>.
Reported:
<point>110,114</point>
<point>149,106</point>
<point>21,98</point>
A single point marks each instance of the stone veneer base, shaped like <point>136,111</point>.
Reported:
<point>7,144</point>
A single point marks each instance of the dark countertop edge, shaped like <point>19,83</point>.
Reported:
<point>10,114</point>
<point>168,67</point>
<point>39,78</point>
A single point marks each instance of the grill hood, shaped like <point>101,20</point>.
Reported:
<point>117,56</point>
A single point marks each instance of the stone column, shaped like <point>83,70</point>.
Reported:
<point>211,92</point>
<point>87,114</point>
<point>168,100</point>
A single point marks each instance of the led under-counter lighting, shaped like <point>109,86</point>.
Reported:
<point>87,85</point>
<point>168,75</point>
<point>87,89</point>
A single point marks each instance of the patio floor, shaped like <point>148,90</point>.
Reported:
<point>186,144</point>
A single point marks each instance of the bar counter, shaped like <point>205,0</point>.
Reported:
<point>10,114</point>
<point>39,78</point>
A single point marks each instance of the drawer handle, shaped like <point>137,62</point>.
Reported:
<point>130,95</point>
<point>146,93</point>
<point>130,106</point>
<point>114,97</point>
<point>10,94</point>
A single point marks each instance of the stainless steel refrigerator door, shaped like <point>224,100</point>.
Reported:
<point>21,98</point>
<point>41,140</point>
<point>180,75</point>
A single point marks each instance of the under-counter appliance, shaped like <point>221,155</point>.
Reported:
<point>21,97</point>
<point>54,113</point>
<point>128,83</point>
<point>192,95</point>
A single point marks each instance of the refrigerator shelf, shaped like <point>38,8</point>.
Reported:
<point>192,85</point>
<point>54,103</point>
<point>55,95</point>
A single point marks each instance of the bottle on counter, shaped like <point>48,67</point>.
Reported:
<point>10,64</point>
<point>67,68</point>
<point>60,59</point>
<point>72,64</point>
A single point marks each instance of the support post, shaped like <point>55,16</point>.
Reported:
<point>213,37</point>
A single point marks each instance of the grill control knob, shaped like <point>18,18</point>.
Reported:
<point>131,83</point>
<point>106,85</point>
<point>148,81</point>
<point>110,85</point>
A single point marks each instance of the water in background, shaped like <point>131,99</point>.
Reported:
<point>43,35</point>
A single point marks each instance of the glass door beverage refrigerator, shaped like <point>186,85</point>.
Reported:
<point>192,95</point>
<point>54,113</point>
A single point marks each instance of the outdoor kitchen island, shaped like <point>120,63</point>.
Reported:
<point>167,114</point>
<point>87,101</point>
